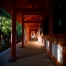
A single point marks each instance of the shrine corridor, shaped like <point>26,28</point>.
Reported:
<point>31,55</point>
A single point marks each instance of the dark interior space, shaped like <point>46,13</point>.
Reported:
<point>46,26</point>
<point>58,18</point>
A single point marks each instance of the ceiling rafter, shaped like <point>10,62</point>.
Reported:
<point>8,5</point>
<point>37,6</point>
<point>28,3</point>
<point>33,13</point>
<point>33,28</point>
<point>32,21</point>
<point>32,10</point>
<point>32,2</point>
<point>20,15</point>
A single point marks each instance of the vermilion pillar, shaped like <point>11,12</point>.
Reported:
<point>27,33</point>
<point>13,46</point>
<point>50,24</point>
<point>23,32</point>
<point>50,29</point>
<point>43,23</point>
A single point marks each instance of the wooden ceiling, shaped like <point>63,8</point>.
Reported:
<point>34,10</point>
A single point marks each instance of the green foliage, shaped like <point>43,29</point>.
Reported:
<point>4,13</point>
<point>6,28</point>
<point>6,24</point>
<point>18,29</point>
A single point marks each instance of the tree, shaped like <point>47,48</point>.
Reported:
<point>6,24</point>
<point>18,29</point>
<point>4,13</point>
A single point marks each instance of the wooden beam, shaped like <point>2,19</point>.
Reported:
<point>32,21</point>
<point>32,13</point>
<point>33,28</point>
<point>19,14</point>
<point>32,10</point>
<point>31,24</point>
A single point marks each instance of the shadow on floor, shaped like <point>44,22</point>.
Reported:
<point>28,55</point>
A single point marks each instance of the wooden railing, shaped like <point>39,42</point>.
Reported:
<point>7,43</point>
<point>52,46</point>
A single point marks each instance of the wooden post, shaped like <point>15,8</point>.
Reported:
<point>50,30</point>
<point>13,46</point>
<point>27,33</point>
<point>22,32</point>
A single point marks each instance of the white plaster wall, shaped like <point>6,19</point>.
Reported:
<point>54,50</point>
<point>60,54</point>
<point>47,45</point>
<point>57,52</point>
<point>43,42</point>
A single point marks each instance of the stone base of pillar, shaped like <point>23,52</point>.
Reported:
<point>12,59</point>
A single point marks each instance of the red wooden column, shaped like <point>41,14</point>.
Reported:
<point>27,33</point>
<point>42,23</point>
<point>37,34</point>
<point>13,46</point>
<point>50,29</point>
<point>22,32</point>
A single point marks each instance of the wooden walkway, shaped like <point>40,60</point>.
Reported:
<point>31,55</point>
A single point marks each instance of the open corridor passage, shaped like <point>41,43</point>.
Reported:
<point>31,55</point>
